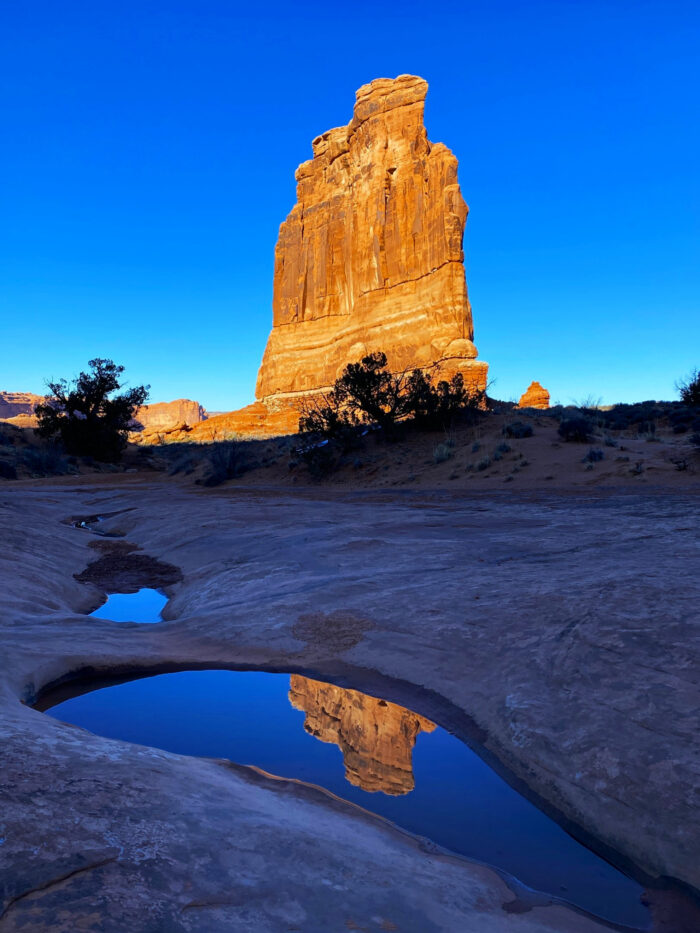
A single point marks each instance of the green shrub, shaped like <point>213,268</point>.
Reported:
<point>88,417</point>
<point>441,453</point>
<point>594,455</point>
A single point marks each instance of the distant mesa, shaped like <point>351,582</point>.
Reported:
<point>534,397</point>
<point>375,737</point>
<point>18,408</point>
<point>370,258</point>
<point>150,420</point>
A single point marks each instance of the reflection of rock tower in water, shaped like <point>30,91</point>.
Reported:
<point>375,737</point>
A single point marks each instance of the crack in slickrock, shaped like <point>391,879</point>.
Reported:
<point>12,903</point>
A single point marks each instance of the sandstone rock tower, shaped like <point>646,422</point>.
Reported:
<point>370,258</point>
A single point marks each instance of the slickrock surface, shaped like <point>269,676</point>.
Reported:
<point>370,258</point>
<point>535,396</point>
<point>375,737</point>
<point>562,631</point>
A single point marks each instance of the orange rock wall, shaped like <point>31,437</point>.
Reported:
<point>165,415</point>
<point>370,258</point>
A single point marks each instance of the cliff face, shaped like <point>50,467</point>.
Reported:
<point>370,258</point>
<point>375,737</point>
<point>16,404</point>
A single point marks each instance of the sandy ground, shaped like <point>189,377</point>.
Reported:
<point>477,461</point>
<point>560,629</point>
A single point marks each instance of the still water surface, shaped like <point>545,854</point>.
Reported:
<point>381,756</point>
<point>145,605</point>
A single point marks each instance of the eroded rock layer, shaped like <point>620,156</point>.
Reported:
<point>370,258</point>
<point>375,737</point>
<point>535,396</point>
<point>19,406</point>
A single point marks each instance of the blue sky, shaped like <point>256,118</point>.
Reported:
<point>148,159</point>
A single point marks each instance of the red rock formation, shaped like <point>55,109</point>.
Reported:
<point>375,737</point>
<point>535,397</point>
<point>164,416</point>
<point>15,404</point>
<point>370,258</point>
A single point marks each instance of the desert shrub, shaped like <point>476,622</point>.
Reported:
<point>186,463</point>
<point>327,418</point>
<point>504,448</point>
<point>610,441</point>
<point>517,429</point>
<point>223,462</point>
<point>365,394</point>
<point>89,418</point>
<point>7,470</point>
<point>368,395</point>
<point>483,464</point>
<point>441,453</point>
<point>578,430</point>
<point>689,389</point>
<point>320,459</point>
<point>594,455</point>
<point>695,439</point>
<point>46,461</point>
<point>435,406</point>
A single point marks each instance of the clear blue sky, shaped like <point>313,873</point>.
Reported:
<point>148,156</point>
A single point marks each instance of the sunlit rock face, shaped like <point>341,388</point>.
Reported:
<point>535,396</point>
<point>369,259</point>
<point>18,407</point>
<point>375,737</point>
<point>167,414</point>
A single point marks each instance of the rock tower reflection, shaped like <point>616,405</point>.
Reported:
<point>375,737</point>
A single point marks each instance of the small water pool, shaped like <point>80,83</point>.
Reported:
<point>379,755</point>
<point>145,605</point>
